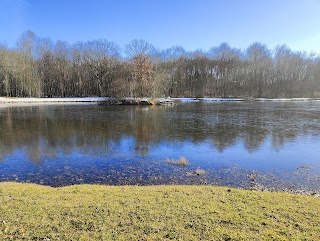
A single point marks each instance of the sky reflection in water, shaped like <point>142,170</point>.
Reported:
<point>68,144</point>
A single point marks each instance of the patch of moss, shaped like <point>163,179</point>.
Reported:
<point>97,212</point>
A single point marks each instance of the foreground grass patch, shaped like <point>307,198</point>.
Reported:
<point>94,212</point>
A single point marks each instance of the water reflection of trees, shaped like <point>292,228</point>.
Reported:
<point>43,131</point>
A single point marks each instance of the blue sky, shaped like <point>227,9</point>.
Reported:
<point>193,24</point>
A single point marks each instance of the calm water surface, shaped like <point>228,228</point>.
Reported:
<point>238,144</point>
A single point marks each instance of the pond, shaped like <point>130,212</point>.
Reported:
<point>266,145</point>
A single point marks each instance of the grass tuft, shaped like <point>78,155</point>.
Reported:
<point>181,162</point>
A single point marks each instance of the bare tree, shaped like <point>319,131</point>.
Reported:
<point>316,77</point>
<point>225,63</point>
<point>62,56</point>
<point>140,47</point>
<point>45,66</point>
<point>100,57</point>
<point>260,64</point>
<point>30,82</point>
<point>140,53</point>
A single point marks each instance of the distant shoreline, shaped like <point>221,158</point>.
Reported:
<point>28,100</point>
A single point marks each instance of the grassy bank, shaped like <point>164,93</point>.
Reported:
<point>92,212</point>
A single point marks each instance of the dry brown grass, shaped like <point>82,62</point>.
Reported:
<point>181,162</point>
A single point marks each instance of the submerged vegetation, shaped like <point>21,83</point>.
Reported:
<point>38,67</point>
<point>96,212</point>
<point>196,172</point>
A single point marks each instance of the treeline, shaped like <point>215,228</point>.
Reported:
<point>38,67</point>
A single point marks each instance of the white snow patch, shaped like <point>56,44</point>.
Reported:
<point>185,99</point>
<point>42,100</point>
<point>287,99</point>
<point>222,99</point>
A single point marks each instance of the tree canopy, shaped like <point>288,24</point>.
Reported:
<point>38,67</point>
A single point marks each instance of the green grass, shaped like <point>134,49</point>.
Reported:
<point>97,212</point>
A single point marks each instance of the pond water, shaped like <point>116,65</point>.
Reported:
<point>272,145</point>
